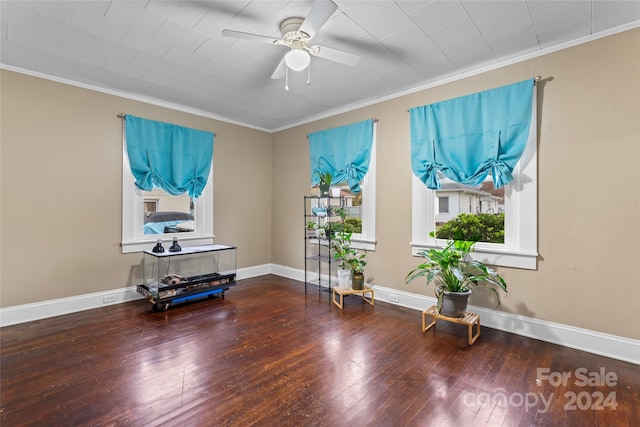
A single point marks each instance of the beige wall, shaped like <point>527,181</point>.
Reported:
<point>61,182</point>
<point>588,187</point>
<point>58,243</point>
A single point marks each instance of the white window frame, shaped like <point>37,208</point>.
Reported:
<point>367,239</point>
<point>520,248</point>
<point>133,237</point>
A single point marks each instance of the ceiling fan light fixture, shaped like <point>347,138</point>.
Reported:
<point>297,59</point>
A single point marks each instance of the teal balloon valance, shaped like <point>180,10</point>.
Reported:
<point>344,152</point>
<point>467,138</point>
<point>174,158</point>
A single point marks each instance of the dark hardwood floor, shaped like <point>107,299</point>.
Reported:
<point>269,355</point>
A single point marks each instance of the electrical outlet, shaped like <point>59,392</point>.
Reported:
<point>393,298</point>
<point>108,298</point>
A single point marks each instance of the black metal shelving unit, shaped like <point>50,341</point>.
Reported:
<point>317,254</point>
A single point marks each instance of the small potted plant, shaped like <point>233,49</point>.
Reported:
<point>352,262</point>
<point>312,229</point>
<point>339,211</point>
<point>333,227</point>
<point>356,265</point>
<point>325,183</point>
<point>456,274</point>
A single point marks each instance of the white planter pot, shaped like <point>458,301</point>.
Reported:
<point>335,192</point>
<point>344,278</point>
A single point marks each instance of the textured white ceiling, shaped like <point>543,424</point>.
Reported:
<point>173,51</point>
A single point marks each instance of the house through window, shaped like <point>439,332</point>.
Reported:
<point>352,205</point>
<point>476,212</point>
<point>516,245</point>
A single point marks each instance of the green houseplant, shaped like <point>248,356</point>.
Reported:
<point>325,183</point>
<point>312,229</point>
<point>349,259</point>
<point>455,275</point>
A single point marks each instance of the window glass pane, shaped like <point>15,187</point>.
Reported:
<point>476,212</point>
<point>443,204</point>
<point>150,206</point>
<point>164,213</point>
<point>352,204</point>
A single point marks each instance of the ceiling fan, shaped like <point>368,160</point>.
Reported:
<point>296,35</point>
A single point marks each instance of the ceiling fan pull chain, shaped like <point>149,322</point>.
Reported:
<point>309,75</point>
<point>286,78</point>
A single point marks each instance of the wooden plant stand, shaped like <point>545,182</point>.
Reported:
<point>469,319</point>
<point>350,291</point>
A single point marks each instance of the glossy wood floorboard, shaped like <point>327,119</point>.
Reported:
<point>269,355</point>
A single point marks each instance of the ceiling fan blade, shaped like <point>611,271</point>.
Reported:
<point>336,55</point>
<point>280,70</point>
<point>320,13</point>
<point>249,36</point>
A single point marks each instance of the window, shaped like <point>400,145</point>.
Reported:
<point>360,207</point>
<point>348,153</point>
<point>469,153</point>
<point>137,203</point>
<point>520,217</point>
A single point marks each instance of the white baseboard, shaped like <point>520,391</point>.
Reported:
<point>288,272</point>
<point>607,345</point>
<point>255,271</point>
<point>57,307</point>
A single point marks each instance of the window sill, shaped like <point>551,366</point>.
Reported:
<point>363,244</point>
<point>502,257</point>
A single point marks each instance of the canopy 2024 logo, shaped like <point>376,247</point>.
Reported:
<point>582,377</point>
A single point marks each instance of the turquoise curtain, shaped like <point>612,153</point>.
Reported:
<point>344,152</point>
<point>174,158</point>
<point>469,137</point>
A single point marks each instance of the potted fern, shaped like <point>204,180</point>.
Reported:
<point>455,275</point>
